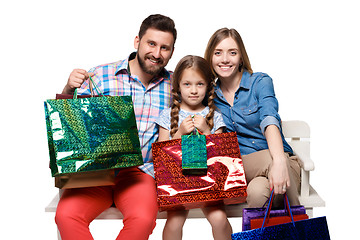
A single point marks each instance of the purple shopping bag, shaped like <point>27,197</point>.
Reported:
<point>259,213</point>
<point>309,229</point>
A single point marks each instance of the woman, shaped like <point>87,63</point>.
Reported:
<point>249,107</point>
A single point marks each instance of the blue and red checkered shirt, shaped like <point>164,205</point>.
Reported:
<point>114,79</point>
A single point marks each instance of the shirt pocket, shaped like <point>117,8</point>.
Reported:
<point>251,115</point>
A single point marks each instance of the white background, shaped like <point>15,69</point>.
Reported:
<point>309,48</point>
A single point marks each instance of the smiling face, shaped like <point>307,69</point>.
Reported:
<point>155,49</point>
<point>192,88</point>
<point>226,58</point>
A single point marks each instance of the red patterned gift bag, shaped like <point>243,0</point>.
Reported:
<point>223,183</point>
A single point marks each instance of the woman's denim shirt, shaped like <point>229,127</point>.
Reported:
<point>255,107</point>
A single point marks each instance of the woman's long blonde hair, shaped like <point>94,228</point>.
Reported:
<point>201,66</point>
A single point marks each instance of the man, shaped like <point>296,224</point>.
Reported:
<point>143,76</point>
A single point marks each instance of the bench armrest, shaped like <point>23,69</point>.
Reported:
<point>302,150</point>
<point>305,162</point>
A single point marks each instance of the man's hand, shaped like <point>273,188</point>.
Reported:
<point>76,79</point>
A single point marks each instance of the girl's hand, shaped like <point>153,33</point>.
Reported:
<point>279,176</point>
<point>200,124</point>
<point>186,127</point>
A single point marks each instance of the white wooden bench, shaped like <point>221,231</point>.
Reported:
<point>297,134</point>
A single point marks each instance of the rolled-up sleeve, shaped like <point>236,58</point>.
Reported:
<point>268,104</point>
<point>269,120</point>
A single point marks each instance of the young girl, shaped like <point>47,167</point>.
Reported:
<point>192,108</point>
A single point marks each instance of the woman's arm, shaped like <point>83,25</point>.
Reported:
<point>278,176</point>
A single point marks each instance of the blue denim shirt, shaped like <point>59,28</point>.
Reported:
<point>255,107</point>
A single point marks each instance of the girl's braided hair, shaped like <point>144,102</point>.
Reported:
<point>200,65</point>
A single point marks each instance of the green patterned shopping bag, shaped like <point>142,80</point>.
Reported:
<point>91,134</point>
<point>194,154</point>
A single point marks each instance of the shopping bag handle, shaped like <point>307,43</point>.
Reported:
<point>91,84</point>
<point>267,201</point>
<point>197,133</point>
<point>287,206</point>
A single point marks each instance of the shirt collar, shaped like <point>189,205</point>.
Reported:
<point>183,113</point>
<point>245,82</point>
<point>124,66</point>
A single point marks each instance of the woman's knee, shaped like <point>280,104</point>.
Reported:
<point>258,191</point>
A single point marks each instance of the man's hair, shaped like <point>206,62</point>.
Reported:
<point>158,22</point>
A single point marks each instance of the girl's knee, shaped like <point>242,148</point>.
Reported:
<point>220,225</point>
<point>176,219</point>
<point>217,217</point>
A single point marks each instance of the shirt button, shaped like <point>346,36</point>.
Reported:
<point>249,110</point>
<point>233,122</point>
<point>253,141</point>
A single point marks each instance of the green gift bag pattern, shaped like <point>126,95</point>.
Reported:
<point>194,154</point>
<point>89,134</point>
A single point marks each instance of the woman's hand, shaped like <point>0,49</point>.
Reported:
<point>279,176</point>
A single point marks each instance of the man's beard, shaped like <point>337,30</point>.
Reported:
<point>152,70</point>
